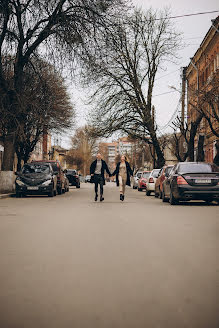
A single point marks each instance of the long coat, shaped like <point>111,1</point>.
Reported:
<point>128,171</point>
<point>103,169</point>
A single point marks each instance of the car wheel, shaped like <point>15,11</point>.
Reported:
<point>59,190</point>
<point>156,194</point>
<point>173,200</point>
<point>51,193</point>
<point>78,186</point>
<point>18,194</point>
<point>208,201</point>
<point>148,193</point>
<point>139,189</point>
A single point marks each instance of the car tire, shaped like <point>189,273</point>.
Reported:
<point>208,201</point>
<point>18,194</point>
<point>156,194</point>
<point>139,189</point>
<point>148,193</point>
<point>51,193</point>
<point>78,186</point>
<point>59,191</point>
<point>173,200</point>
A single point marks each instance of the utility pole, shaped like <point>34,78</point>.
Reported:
<point>153,149</point>
<point>183,96</point>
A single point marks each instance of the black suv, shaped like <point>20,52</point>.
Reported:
<point>36,178</point>
<point>73,177</point>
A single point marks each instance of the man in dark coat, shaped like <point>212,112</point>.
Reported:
<point>97,170</point>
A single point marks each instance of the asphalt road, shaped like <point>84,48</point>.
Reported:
<point>68,262</point>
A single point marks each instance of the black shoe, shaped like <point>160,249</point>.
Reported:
<point>101,198</point>
<point>121,198</point>
<point>96,197</point>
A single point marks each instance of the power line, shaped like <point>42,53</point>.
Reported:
<point>164,93</point>
<point>188,15</point>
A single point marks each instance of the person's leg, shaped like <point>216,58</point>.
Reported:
<point>101,188</point>
<point>96,187</point>
<point>120,187</point>
<point>123,187</point>
<point>120,184</point>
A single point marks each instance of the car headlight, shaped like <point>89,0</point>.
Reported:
<point>19,182</point>
<point>46,183</point>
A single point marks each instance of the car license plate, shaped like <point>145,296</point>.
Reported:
<point>32,188</point>
<point>202,181</point>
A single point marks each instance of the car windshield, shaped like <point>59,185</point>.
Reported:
<point>197,168</point>
<point>155,173</point>
<point>73,172</point>
<point>146,174</point>
<point>36,168</point>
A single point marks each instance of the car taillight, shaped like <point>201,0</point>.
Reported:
<point>151,180</point>
<point>181,181</point>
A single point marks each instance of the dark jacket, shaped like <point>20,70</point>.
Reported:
<point>103,169</point>
<point>128,170</point>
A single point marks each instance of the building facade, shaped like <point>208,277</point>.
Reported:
<point>202,76</point>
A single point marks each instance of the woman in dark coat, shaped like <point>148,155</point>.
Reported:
<point>123,172</point>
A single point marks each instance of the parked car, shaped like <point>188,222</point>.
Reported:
<point>36,178</point>
<point>136,177</point>
<point>60,174</point>
<point>192,180</point>
<point>87,178</point>
<point>163,174</point>
<point>143,179</point>
<point>150,184</point>
<point>73,178</point>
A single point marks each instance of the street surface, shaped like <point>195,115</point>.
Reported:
<point>68,262</point>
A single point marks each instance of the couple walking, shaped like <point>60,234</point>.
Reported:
<point>123,172</point>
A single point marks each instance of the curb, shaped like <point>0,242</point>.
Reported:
<point>2,196</point>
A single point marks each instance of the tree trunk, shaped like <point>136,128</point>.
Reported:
<point>18,162</point>
<point>216,159</point>
<point>201,154</point>
<point>160,161</point>
<point>8,156</point>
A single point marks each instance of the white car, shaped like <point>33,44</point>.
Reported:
<point>87,178</point>
<point>135,179</point>
<point>150,184</point>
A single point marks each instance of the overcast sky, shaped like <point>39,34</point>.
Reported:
<point>194,28</point>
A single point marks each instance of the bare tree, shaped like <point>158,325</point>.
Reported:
<point>124,75</point>
<point>53,29</point>
<point>81,152</point>
<point>46,108</point>
<point>185,133</point>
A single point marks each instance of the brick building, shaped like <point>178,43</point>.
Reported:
<point>202,76</point>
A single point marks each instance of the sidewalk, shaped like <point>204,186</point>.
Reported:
<point>6,195</point>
